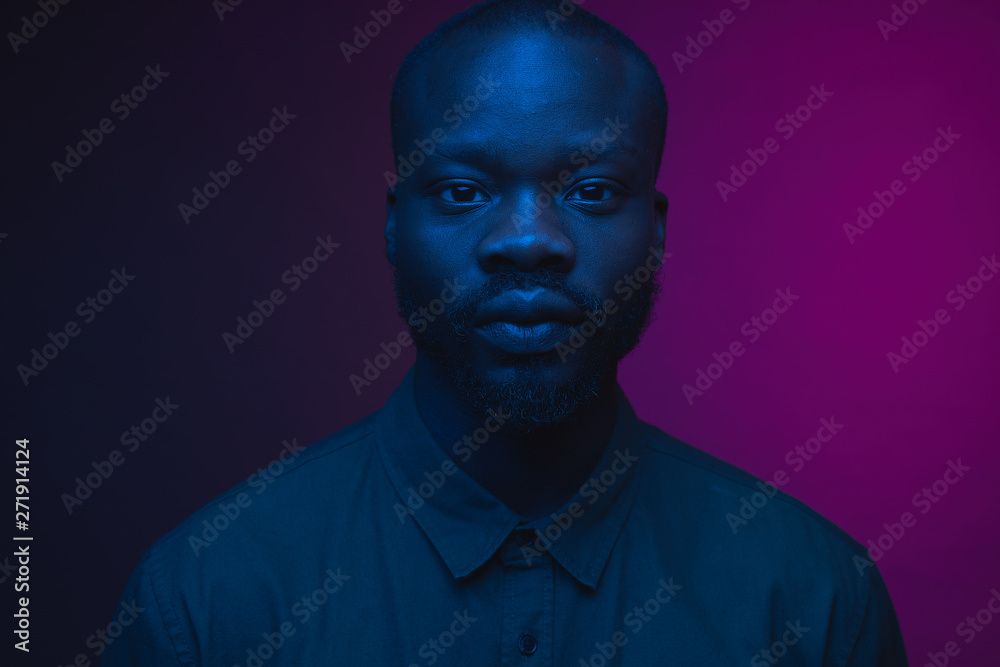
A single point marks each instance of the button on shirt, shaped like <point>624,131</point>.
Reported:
<point>373,548</point>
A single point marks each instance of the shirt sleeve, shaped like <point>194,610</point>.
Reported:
<point>880,641</point>
<point>147,639</point>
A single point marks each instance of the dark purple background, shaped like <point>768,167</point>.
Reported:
<point>826,357</point>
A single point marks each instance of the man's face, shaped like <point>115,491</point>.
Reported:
<point>533,215</point>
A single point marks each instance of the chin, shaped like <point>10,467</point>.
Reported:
<point>537,392</point>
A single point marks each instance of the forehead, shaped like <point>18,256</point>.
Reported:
<point>526,91</point>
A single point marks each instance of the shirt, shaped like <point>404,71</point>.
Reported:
<point>371,547</point>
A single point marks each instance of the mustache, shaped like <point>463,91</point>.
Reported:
<point>464,309</point>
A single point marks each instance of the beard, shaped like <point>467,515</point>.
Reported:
<point>532,402</point>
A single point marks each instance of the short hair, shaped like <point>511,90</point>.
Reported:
<point>495,15</point>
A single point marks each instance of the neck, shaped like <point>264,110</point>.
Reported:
<point>534,475</point>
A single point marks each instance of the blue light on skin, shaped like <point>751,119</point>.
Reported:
<point>470,211</point>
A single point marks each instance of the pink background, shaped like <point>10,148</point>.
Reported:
<point>826,358</point>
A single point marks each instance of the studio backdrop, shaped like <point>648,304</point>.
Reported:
<point>195,283</point>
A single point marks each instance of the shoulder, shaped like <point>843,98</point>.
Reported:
<point>747,524</point>
<point>282,497</point>
<point>731,531</point>
<point>266,534</point>
<point>732,495</point>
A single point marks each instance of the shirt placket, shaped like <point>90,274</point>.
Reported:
<point>528,614</point>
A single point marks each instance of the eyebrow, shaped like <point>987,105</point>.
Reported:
<point>492,153</point>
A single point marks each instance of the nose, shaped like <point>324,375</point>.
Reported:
<point>526,236</point>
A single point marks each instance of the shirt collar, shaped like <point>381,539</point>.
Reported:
<point>467,524</point>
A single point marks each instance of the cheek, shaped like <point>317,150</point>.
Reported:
<point>426,258</point>
<point>613,258</point>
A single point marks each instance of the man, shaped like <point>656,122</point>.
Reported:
<point>506,506</point>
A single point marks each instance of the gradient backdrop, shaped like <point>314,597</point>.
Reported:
<point>888,90</point>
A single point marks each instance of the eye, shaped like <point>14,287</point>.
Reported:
<point>462,193</point>
<point>592,192</point>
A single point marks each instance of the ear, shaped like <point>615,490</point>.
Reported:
<point>660,204</point>
<point>390,227</point>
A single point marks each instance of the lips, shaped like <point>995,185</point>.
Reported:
<point>528,307</point>
<point>526,321</point>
